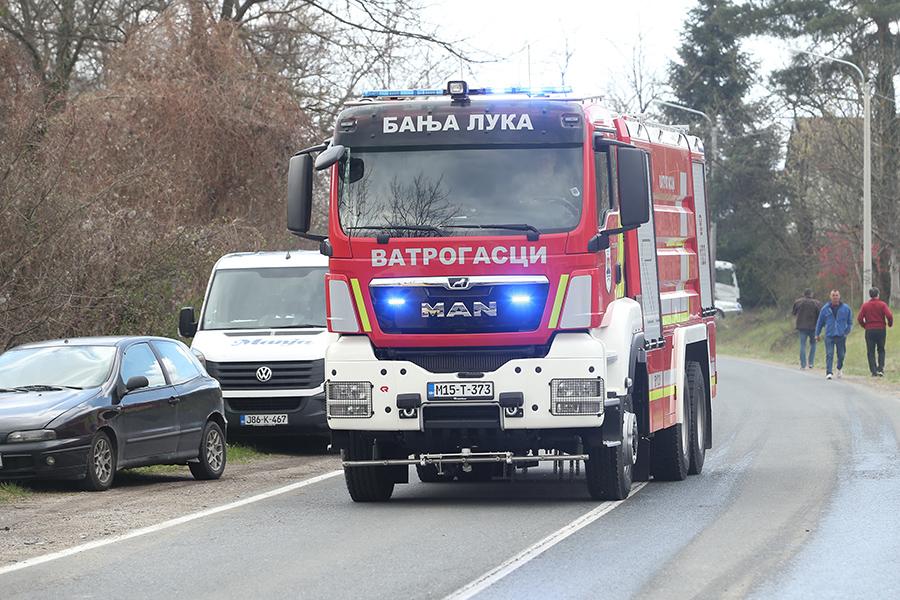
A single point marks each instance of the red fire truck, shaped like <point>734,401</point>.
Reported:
<point>504,293</point>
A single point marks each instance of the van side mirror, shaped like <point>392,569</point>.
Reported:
<point>136,382</point>
<point>634,187</point>
<point>187,322</point>
<point>299,194</point>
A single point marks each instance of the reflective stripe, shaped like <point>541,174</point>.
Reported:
<point>676,318</point>
<point>620,260</point>
<point>663,392</point>
<point>360,305</point>
<point>557,302</point>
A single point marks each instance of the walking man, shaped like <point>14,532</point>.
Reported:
<point>806,309</point>
<point>836,319</point>
<point>873,316</point>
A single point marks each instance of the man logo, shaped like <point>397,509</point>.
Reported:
<point>263,374</point>
<point>458,283</point>
<point>459,309</point>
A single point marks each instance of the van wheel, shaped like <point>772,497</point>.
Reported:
<point>211,463</point>
<point>101,464</point>
<point>366,484</point>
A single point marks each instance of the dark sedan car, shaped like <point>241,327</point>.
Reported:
<point>83,408</point>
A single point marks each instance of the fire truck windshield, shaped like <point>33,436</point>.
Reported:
<point>418,193</point>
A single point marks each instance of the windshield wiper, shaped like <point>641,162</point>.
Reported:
<point>533,232</point>
<point>8,390</point>
<point>299,326</point>
<point>43,387</point>
<point>383,237</point>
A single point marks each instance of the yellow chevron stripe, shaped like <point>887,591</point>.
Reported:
<point>676,318</point>
<point>360,305</point>
<point>557,302</point>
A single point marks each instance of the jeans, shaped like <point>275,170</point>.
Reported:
<point>832,342</point>
<point>875,339</point>
<point>804,335</point>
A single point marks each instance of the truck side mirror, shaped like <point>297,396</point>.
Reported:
<point>187,322</point>
<point>299,193</point>
<point>634,187</point>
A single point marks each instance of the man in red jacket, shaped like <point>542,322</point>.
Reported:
<point>875,317</point>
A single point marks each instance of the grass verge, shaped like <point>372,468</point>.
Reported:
<point>13,492</point>
<point>769,334</point>
<point>238,454</point>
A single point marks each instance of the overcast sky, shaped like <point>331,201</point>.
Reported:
<point>601,36</point>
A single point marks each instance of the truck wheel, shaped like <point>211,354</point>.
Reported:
<point>670,455</point>
<point>429,474</point>
<point>697,390</point>
<point>610,471</point>
<point>366,484</point>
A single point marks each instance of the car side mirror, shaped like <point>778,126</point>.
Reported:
<point>634,187</point>
<point>187,322</point>
<point>136,382</point>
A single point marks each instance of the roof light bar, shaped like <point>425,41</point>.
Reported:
<point>395,93</point>
<point>456,88</point>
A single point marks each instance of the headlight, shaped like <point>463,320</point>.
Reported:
<point>576,396</point>
<point>34,435</point>
<point>349,398</point>
<point>199,356</point>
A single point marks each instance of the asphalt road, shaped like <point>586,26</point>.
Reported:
<point>799,498</point>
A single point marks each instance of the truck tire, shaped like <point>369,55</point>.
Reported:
<point>610,471</point>
<point>696,385</point>
<point>670,455</point>
<point>366,484</point>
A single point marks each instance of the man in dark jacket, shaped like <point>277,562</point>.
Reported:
<point>836,319</point>
<point>806,309</point>
<point>873,316</point>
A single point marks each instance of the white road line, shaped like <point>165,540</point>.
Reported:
<point>164,525</point>
<point>496,574</point>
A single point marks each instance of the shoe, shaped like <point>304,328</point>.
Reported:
<point>839,374</point>
<point>881,373</point>
<point>828,376</point>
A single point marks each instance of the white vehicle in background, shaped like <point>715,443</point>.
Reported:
<point>262,334</point>
<point>728,294</point>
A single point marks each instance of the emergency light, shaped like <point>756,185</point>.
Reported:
<point>461,88</point>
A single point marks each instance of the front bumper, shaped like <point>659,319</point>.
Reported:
<point>30,460</point>
<point>571,355</point>
<point>305,414</point>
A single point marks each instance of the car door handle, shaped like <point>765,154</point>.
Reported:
<point>174,400</point>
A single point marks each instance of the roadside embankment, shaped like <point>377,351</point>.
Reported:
<point>769,334</point>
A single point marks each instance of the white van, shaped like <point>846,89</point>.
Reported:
<point>728,294</point>
<point>262,335</point>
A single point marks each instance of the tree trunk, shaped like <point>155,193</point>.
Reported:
<point>894,293</point>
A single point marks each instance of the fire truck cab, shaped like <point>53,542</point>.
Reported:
<point>517,276</point>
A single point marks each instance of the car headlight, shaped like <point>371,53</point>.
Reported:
<point>33,435</point>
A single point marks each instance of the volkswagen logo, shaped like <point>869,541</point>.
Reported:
<point>458,283</point>
<point>264,374</point>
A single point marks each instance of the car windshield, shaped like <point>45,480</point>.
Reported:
<point>436,192</point>
<point>266,298</point>
<point>56,366</point>
<point>725,276</point>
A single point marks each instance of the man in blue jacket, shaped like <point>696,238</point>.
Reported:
<point>837,319</point>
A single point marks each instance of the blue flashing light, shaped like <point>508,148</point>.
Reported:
<point>520,299</point>
<point>396,301</point>
<point>404,93</point>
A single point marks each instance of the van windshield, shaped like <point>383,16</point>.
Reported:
<point>271,298</point>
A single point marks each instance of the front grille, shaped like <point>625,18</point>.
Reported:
<point>450,360</point>
<point>485,416</point>
<point>263,404</point>
<point>293,375</point>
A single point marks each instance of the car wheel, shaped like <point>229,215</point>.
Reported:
<point>101,464</point>
<point>213,453</point>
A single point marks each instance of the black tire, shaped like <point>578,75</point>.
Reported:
<point>101,463</point>
<point>670,455</point>
<point>213,454</point>
<point>366,484</point>
<point>429,474</point>
<point>610,471</point>
<point>696,385</point>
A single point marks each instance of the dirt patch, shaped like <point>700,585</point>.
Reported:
<point>58,516</point>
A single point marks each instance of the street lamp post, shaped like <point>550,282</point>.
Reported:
<point>867,165</point>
